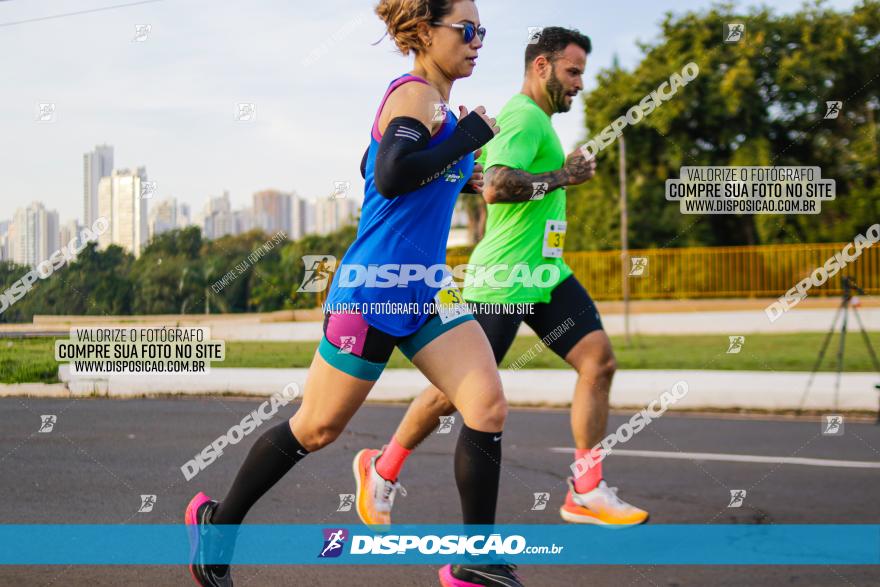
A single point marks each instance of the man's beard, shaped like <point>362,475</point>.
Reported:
<point>557,93</point>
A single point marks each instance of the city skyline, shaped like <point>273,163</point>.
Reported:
<point>35,232</point>
<point>123,197</point>
<point>99,163</point>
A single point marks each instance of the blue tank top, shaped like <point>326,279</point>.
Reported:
<point>411,229</point>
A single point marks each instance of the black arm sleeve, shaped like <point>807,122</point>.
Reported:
<point>404,163</point>
<point>364,163</point>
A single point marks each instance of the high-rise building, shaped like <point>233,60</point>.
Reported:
<point>53,234</point>
<point>299,217</point>
<point>331,214</point>
<point>33,236</point>
<point>184,215</point>
<point>4,238</point>
<point>68,231</point>
<point>163,217</point>
<point>96,164</point>
<point>218,220</point>
<point>242,221</point>
<point>11,237</point>
<point>272,211</point>
<point>120,202</point>
<point>311,217</point>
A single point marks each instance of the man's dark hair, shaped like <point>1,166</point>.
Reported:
<point>552,40</point>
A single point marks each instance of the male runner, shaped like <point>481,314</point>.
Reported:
<point>525,179</point>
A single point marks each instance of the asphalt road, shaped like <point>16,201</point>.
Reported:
<point>103,454</point>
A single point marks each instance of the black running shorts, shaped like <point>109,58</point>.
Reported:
<point>561,323</point>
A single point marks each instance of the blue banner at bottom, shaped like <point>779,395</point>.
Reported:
<point>801,544</point>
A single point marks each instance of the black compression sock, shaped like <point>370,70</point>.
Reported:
<point>271,457</point>
<point>477,470</point>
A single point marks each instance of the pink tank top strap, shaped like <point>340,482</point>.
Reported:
<point>394,85</point>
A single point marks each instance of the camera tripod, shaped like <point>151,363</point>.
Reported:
<point>849,285</point>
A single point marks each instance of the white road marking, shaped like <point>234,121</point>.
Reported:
<point>731,458</point>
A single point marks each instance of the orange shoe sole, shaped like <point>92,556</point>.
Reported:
<point>360,482</point>
<point>582,518</point>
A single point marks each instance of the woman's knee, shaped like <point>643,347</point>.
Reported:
<point>315,435</point>
<point>496,414</point>
<point>484,408</point>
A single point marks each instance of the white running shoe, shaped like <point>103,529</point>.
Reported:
<point>600,506</point>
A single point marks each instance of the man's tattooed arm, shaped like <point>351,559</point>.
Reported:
<point>506,185</point>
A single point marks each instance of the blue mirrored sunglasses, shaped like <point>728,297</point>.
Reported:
<point>468,30</point>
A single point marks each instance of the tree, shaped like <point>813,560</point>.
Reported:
<point>96,283</point>
<point>757,102</point>
<point>158,274</point>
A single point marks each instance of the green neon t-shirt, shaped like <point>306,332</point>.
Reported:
<point>527,237</point>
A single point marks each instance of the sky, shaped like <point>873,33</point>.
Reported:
<point>168,102</point>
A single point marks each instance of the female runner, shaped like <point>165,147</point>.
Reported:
<point>419,159</point>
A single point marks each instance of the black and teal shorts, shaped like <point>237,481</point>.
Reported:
<point>354,347</point>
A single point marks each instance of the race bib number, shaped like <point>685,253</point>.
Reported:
<point>450,304</point>
<point>554,239</point>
